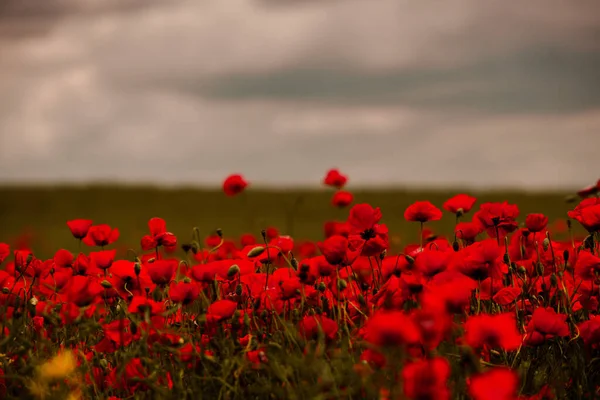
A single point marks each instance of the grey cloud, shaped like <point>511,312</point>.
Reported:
<point>189,91</point>
<point>538,80</point>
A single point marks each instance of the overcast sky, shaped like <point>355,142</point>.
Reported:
<point>427,93</point>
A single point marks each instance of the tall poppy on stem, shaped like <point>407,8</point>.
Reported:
<point>422,211</point>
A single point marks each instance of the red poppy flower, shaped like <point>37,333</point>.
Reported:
<point>247,239</point>
<point>546,324</point>
<point>79,227</point>
<point>587,265</point>
<point>588,190</point>
<point>590,331</point>
<point>311,325</point>
<point>132,376</point>
<point>391,328</point>
<point>184,293</point>
<point>588,214</point>
<point>427,379</point>
<point>493,331</point>
<point>335,179</point>
<point>103,259</point>
<point>536,222</point>
<point>158,236</point>
<point>23,258</point>
<point>461,203</point>
<point>212,241</point>
<point>373,357</point>
<point>495,384</point>
<point>334,249</point>
<point>482,260</point>
<point>336,228</point>
<point>271,233</point>
<point>342,199</point>
<point>101,235</point>
<point>64,259</point>
<point>222,309</point>
<point>507,295</point>
<point>501,216</point>
<point>83,290</point>
<point>141,304</point>
<point>234,184</point>
<point>450,290</point>
<point>365,232</point>
<point>161,272</point>
<point>467,231</point>
<point>432,262</point>
<point>422,211</point>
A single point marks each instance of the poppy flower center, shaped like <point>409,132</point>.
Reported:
<point>368,234</point>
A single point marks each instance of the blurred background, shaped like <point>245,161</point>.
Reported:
<point>438,96</point>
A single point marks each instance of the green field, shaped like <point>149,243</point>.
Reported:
<point>40,213</point>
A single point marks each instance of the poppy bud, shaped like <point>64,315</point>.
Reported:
<point>264,315</point>
<point>410,260</point>
<point>383,254</point>
<point>295,315</point>
<point>546,244</point>
<point>187,279</point>
<point>246,320</point>
<point>506,259</point>
<point>342,284</point>
<point>258,250</point>
<point>588,242</point>
<point>361,300</point>
<point>151,260</point>
<point>263,233</point>
<point>566,256</point>
<point>238,290</point>
<point>106,284</point>
<point>233,270</point>
<point>219,233</point>
<point>304,268</point>
<point>553,280</point>
<point>321,287</point>
<point>186,247</point>
<point>103,363</point>
<point>137,268</point>
<point>455,246</point>
<point>522,270</point>
<point>294,263</point>
<point>570,199</point>
<point>539,269</point>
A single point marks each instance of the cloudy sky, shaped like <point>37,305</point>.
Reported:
<point>426,93</point>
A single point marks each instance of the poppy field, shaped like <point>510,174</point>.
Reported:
<point>337,294</point>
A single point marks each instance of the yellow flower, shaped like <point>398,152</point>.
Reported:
<point>58,367</point>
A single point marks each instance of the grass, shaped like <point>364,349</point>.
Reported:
<point>39,214</point>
